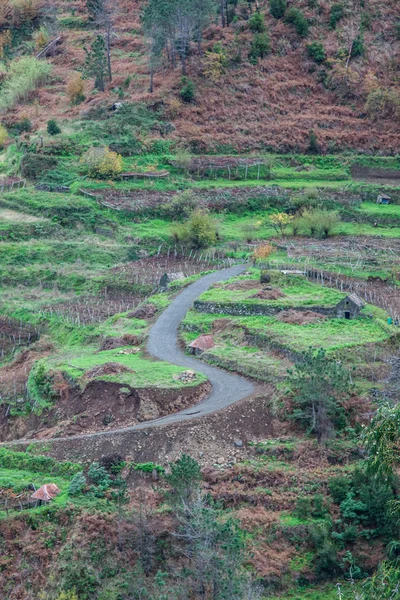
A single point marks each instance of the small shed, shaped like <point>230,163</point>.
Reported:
<point>349,307</point>
<point>167,278</point>
<point>46,493</point>
<point>383,199</point>
<point>201,344</point>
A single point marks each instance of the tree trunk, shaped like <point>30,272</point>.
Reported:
<point>108,45</point>
<point>151,88</point>
<point>223,12</point>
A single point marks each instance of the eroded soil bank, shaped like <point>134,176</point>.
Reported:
<point>101,406</point>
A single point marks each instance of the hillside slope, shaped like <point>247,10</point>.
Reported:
<point>270,105</point>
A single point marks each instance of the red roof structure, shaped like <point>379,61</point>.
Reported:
<point>46,493</point>
<point>202,343</point>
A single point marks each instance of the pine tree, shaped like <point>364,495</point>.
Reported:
<point>96,62</point>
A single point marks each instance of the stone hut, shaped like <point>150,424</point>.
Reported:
<point>383,199</point>
<point>200,344</point>
<point>167,278</point>
<point>349,307</point>
<point>46,493</point>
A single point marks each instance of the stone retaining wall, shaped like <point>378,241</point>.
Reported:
<point>241,309</point>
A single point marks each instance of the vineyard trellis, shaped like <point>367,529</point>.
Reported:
<point>389,300</point>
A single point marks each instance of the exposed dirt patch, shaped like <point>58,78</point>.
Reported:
<point>101,406</point>
<point>296,317</point>
<point>146,311</point>
<point>269,294</point>
<point>245,284</point>
<point>110,343</point>
<point>110,368</point>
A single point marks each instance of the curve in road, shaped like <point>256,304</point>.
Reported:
<point>227,388</point>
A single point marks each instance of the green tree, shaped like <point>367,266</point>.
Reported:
<point>316,51</point>
<point>188,90</point>
<point>318,383</point>
<point>53,127</point>
<point>336,14</point>
<point>260,46</point>
<point>96,62</point>
<point>278,8</point>
<point>184,479</point>
<point>382,439</point>
<point>295,17</point>
<point>256,23</point>
<point>199,232</point>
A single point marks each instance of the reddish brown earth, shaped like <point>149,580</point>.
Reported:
<point>102,405</point>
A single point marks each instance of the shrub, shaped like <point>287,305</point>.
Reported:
<point>184,478</point>
<point>53,127</point>
<point>41,38</point>
<point>102,162</point>
<point>313,146</point>
<point>214,63</point>
<point>33,165</point>
<point>77,484</point>
<point>358,46</point>
<point>199,232</point>
<point>76,89</point>
<point>262,252</point>
<point>256,23</point>
<point>181,206</point>
<point>24,76</point>
<point>260,46</point>
<point>99,476</point>
<point>339,488</point>
<point>187,92</point>
<point>3,136</point>
<point>23,126</point>
<point>383,103</point>
<point>317,222</point>
<point>303,508</point>
<point>24,10</point>
<point>277,8</point>
<point>337,13</point>
<point>295,17</point>
<point>397,30</point>
<point>316,51</point>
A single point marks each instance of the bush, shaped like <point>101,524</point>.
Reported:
<point>187,92</point>
<point>358,46</point>
<point>41,38</point>
<point>383,103</point>
<point>277,8</point>
<point>77,484</point>
<point>318,223</point>
<point>181,206</point>
<point>260,46</point>
<point>256,23</point>
<point>33,165</point>
<point>24,76</point>
<point>76,89</point>
<point>303,508</point>
<point>337,13</point>
<point>3,136</point>
<point>199,232</point>
<point>102,163</point>
<point>24,10</point>
<point>53,127</point>
<point>339,487</point>
<point>397,30</point>
<point>295,17</point>
<point>313,146</point>
<point>23,126</point>
<point>316,52</point>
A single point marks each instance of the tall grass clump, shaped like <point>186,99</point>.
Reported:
<point>24,76</point>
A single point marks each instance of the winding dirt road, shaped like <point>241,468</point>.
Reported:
<point>163,344</point>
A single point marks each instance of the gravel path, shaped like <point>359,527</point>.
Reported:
<point>227,388</point>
